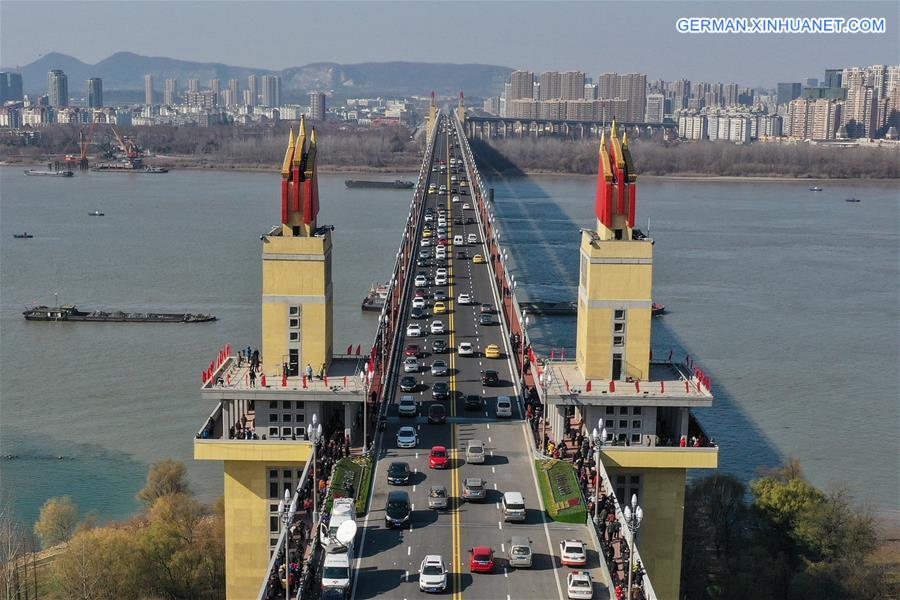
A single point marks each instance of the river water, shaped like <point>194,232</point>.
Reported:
<point>788,298</point>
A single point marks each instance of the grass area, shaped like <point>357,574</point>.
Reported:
<point>560,490</point>
<point>356,471</point>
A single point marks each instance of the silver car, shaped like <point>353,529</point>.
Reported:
<point>473,489</point>
<point>437,497</point>
<point>520,554</point>
<point>438,368</point>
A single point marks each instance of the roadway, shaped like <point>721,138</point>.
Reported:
<point>387,560</point>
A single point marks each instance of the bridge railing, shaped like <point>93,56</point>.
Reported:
<point>527,362</point>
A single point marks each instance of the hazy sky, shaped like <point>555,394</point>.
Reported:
<point>590,36</point>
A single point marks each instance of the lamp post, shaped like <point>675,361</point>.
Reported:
<point>634,514</point>
<point>314,432</point>
<point>285,513</point>
<point>598,436</point>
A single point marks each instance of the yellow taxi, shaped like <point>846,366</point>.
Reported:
<point>426,233</point>
<point>478,259</point>
<point>492,351</point>
<point>432,188</point>
<point>439,308</point>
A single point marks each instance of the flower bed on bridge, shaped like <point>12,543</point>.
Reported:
<point>560,490</point>
<point>353,471</point>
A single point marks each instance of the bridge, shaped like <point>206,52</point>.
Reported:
<point>452,342</point>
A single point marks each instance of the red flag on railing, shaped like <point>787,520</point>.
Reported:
<point>662,387</point>
<point>567,385</point>
<point>228,379</point>
<point>612,385</point>
<point>358,349</point>
<point>304,382</point>
<point>687,386</point>
<point>345,381</point>
<point>284,379</point>
<point>637,386</point>
<point>350,349</point>
<point>588,386</point>
<point>262,380</point>
<point>552,354</point>
<point>325,379</point>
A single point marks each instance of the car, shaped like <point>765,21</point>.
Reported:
<point>464,299</point>
<point>426,233</point>
<point>342,510</point>
<point>459,240</point>
<point>398,473</point>
<point>438,346</point>
<point>333,593</point>
<point>458,221</point>
<point>439,308</point>
<point>466,206</point>
<point>440,279</point>
<point>439,368</point>
<point>432,574</point>
<point>472,238</point>
<point>462,255</point>
<point>492,351</point>
<point>336,571</point>
<point>437,413</point>
<point>437,327</point>
<point>470,220</point>
<point>437,458</point>
<point>473,489</point>
<point>473,402</point>
<point>579,585</point>
<point>572,553</point>
<point>504,407</point>
<point>407,438</point>
<point>485,319</point>
<point>437,497</point>
<point>478,259</point>
<point>420,293</point>
<point>440,271</point>
<point>440,391</point>
<point>408,384</point>
<point>407,407</point>
<point>490,377</point>
<point>482,560</point>
<point>425,243</point>
<point>475,452</point>
<point>397,508</point>
<point>413,330</point>
<point>429,218</point>
<point>421,262</point>
<point>455,199</point>
<point>465,349</point>
<point>418,301</point>
<point>443,242</point>
<point>454,178</point>
<point>520,553</point>
<point>424,253</point>
<point>440,295</point>
<point>432,189</point>
<point>411,350</point>
<point>418,313</point>
<point>487,309</point>
<point>420,281</point>
<point>410,364</point>
<point>463,191</point>
<point>443,189</point>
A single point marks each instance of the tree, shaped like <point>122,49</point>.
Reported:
<point>99,564</point>
<point>57,521</point>
<point>164,478</point>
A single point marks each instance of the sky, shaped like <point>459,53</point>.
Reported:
<point>596,37</point>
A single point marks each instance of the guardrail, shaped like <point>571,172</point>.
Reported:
<point>516,319</point>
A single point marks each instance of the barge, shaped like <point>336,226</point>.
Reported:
<point>396,184</point>
<point>68,312</point>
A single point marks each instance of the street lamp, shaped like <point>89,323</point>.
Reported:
<point>634,514</point>
<point>286,513</point>
<point>314,432</point>
<point>598,436</point>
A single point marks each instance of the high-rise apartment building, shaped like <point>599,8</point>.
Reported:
<point>170,96</point>
<point>860,112</point>
<point>193,85</point>
<point>317,106</point>
<point>234,86</point>
<point>826,117</point>
<point>271,91</point>
<point>216,86</point>
<point>571,85</point>
<point>832,78</point>
<point>590,91</point>
<point>10,87</point>
<point>94,92</point>
<point>521,85</point>
<point>656,108</point>
<point>253,87</point>
<point>148,89</point>
<point>632,87</point>
<point>730,94</point>
<point>608,86</point>
<point>248,98</point>
<point>549,86</point>
<point>58,88</point>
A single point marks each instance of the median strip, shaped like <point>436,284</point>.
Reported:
<point>560,491</point>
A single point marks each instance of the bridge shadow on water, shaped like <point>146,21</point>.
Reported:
<point>542,240</point>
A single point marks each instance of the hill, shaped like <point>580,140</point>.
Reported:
<point>124,71</point>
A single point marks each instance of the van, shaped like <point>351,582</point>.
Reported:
<point>513,506</point>
<point>475,452</point>
<point>504,406</point>
<point>336,571</point>
<point>458,240</point>
<point>520,554</point>
<point>342,510</point>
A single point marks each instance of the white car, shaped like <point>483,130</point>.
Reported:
<point>465,349</point>
<point>458,240</point>
<point>413,330</point>
<point>440,271</point>
<point>406,407</point>
<point>418,302</point>
<point>455,199</point>
<point>411,365</point>
<point>420,281</point>
<point>473,239</point>
<point>579,585</point>
<point>437,327</point>
<point>464,299</point>
<point>407,438</point>
<point>466,206</point>
<point>432,574</point>
<point>425,242</point>
<point>572,553</point>
<point>429,217</point>
<point>440,279</point>
<point>440,252</point>
<point>336,571</point>
<point>504,406</point>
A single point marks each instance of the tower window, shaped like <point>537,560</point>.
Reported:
<point>620,314</point>
<point>618,340</point>
<point>619,328</point>
<point>296,230</point>
<point>294,310</point>
<point>295,323</point>
<point>295,336</point>
<point>619,234</point>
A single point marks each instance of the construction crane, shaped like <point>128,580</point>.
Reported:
<point>83,144</point>
<point>132,153</point>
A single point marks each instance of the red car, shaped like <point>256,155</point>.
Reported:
<point>438,458</point>
<point>482,560</point>
<point>411,350</point>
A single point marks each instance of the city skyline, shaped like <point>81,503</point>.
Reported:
<point>579,44</point>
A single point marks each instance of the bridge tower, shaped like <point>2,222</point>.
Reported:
<point>431,118</point>
<point>461,110</point>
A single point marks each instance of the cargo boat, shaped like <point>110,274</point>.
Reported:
<point>68,312</point>
<point>570,308</point>
<point>126,167</point>
<point>396,184</point>
<point>38,173</point>
<point>376,297</point>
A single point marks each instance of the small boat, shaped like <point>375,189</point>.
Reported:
<point>23,236</point>
<point>657,309</point>
<point>39,173</point>
<point>156,170</point>
<point>815,188</point>
<point>96,213</point>
<point>376,297</point>
<point>851,200</point>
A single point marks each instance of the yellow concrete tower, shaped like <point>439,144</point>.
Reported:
<point>296,275</point>
<point>616,279</point>
<point>431,118</point>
